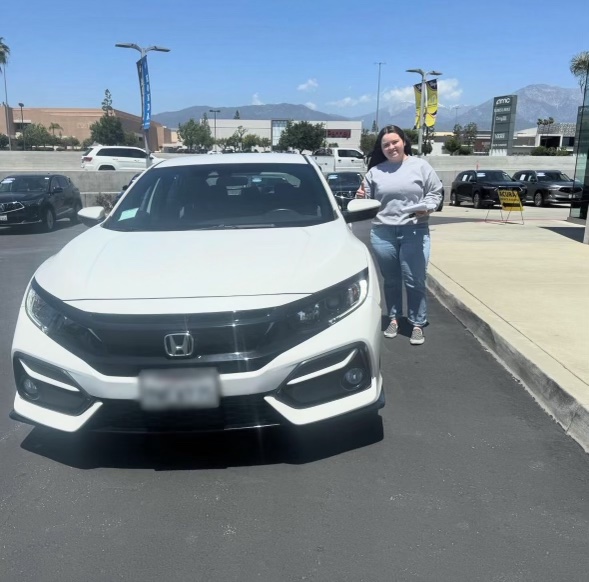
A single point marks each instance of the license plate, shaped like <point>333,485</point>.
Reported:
<point>3,218</point>
<point>180,389</point>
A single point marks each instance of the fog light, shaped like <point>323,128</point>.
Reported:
<point>353,378</point>
<point>30,389</point>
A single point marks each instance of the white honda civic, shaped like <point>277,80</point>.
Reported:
<point>218,294</point>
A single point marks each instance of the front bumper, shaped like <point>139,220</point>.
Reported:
<point>560,196</point>
<point>26,215</point>
<point>249,399</point>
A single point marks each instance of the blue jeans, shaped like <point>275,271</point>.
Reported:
<point>402,253</point>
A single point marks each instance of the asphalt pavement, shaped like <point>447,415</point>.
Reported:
<point>469,480</point>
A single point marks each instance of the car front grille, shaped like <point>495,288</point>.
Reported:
<point>569,190</point>
<point>234,412</point>
<point>10,206</point>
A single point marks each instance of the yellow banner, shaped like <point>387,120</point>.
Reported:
<point>432,103</point>
<point>417,89</point>
<point>510,200</point>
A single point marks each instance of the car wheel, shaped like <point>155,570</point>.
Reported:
<point>476,200</point>
<point>454,199</point>
<point>74,218</point>
<point>440,206</point>
<point>106,168</point>
<point>539,200</point>
<point>48,220</point>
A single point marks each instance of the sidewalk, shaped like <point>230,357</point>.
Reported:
<point>523,291</point>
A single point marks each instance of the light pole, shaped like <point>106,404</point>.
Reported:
<point>456,108</point>
<point>144,52</point>
<point>214,112</point>
<point>22,126</point>
<point>380,63</point>
<point>422,105</point>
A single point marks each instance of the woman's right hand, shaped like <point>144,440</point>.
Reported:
<point>361,192</point>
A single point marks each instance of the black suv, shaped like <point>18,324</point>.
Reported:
<point>545,186</point>
<point>481,187</point>
<point>38,199</point>
<point>344,186</point>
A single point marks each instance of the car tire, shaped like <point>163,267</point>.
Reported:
<point>74,218</point>
<point>454,199</point>
<point>106,168</point>
<point>48,219</point>
<point>539,200</point>
<point>476,200</point>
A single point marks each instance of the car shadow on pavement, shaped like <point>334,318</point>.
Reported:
<point>573,232</point>
<point>176,452</point>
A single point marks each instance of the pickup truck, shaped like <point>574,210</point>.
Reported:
<point>339,160</point>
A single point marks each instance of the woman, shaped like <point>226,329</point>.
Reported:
<point>409,191</point>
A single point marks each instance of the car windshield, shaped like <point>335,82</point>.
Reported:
<point>25,184</point>
<point>344,181</point>
<point>223,196</point>
<point>494,176</point>
<point>552,177</point>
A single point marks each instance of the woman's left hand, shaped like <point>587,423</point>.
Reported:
<point>423,213</point>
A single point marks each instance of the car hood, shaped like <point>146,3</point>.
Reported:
<point>501,183</point>
<point>105,264</point>
<point>569,183</point>
<point>16,196</point>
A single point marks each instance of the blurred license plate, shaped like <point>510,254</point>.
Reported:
<point>179,389</point>
<point>3,217</point>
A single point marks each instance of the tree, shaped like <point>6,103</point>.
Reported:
<point>131,139</point>
<point>452,145</point>
<point>251,141</point>
<point>237,116</point>
<point>108,130</point>
<point>53,127</point>
<point>107,103</point>
<point>72,142</point>
<point>367,141</point>
<point>579,67</point>
<point>188,133</point>
<point>3,141</point>
<point>265,142</point>
<point>302,136</point>
<point>469,133</point>
<point>236,140</point>
<point>35,135</point>
<point>374,128</point>
<point>411,135</point>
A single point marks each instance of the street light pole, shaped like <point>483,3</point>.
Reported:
<point>380,63</point>
<point>421,122</point>
<point>214,112</point>
<point>22,126</point>
<point>143,52</point>
<point>6,110</point>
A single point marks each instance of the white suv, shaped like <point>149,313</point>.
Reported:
<point>116,158</point>
<point>206,300</point>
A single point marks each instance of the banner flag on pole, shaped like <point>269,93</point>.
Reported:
<point>417,89</point>
<point>145,92</point>
<point>432,103</point>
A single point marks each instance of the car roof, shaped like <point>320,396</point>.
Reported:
<point>226,159</point>
<point>29,175</point>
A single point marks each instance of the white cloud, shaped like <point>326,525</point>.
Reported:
<point>311,105</point>
<point>256,99</point>
<point>449,90</point>
<point>309,85</point>
<point>351,101</point>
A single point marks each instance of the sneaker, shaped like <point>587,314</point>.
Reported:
<point>392,330</point>
<point>417,337</point>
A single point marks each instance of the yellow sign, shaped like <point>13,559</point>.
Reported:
<point>510,200</point>
<point>432,103</point>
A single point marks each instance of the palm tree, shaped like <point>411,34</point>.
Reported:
<point>579,67</point>
<point>53,127</point>
<point>4,54</point>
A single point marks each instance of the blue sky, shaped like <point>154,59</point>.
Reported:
<point>320,52</point>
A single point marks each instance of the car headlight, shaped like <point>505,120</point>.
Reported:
<point>554,188</point>
<point>41,313</point>
<point>34,202</point>
<point>329,306</point>
<point>58,326</point>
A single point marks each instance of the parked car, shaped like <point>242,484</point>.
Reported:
<point>481,187</point>
<point>339,160</point>
<point>191,309</point>
<point>38,199</point>
<point>116,158</point>
<point>344,186</point>
<point>546,186</point>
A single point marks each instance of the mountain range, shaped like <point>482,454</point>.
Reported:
<point>534,101</point>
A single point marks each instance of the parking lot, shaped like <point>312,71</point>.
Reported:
<point>468,480</point>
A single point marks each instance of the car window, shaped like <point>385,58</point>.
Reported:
<point>63,182</point>
<point>224,196</point>
<point>465,177</point>
<point>344,181</point>
<point>552,177</point>
<point>25,184</point>
<point>136,153</point>
<point>494,176</point>
<point>105,152</point>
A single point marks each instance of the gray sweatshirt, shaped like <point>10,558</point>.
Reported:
<point>401,185</point>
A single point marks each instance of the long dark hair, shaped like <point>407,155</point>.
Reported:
<point>377,156</point>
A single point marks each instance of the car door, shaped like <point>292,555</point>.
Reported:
<point>464,189</point>
<point>136,159</point>
<point>68,193</point>
<point>354,160</point>
<point>56,197</point>
<point>531,185</point>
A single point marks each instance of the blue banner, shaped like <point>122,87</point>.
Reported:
<point>145,92</point>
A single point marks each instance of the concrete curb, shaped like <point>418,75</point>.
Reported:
<point>559,392</point>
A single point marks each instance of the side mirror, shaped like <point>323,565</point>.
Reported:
<point>57,190</point>
<point>92,215</point>
<point>361,209</point>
